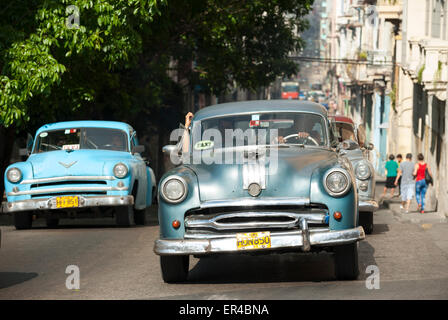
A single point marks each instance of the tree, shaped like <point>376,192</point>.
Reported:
<point>118,63</point>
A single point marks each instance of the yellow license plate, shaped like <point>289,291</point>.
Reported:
<point>253,240</point>
<point>67,202</point>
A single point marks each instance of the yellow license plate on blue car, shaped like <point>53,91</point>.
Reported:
<point>67,202</point>
<point>253,240</point>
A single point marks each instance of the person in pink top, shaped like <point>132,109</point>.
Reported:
<point>420,182</point>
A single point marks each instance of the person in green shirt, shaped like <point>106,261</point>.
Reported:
<point>391,175</point>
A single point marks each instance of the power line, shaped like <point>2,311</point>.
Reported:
<point>340,61</point>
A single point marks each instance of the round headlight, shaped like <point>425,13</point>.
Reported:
<point>336,182</point>
<point>174,189</point>
<point>120,170</point>
<point>14,175</point>
<point>362,171</point>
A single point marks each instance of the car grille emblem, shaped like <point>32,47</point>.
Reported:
<point>67,165</point>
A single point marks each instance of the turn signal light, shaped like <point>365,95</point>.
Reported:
<point>337,215</point>
<point>176,224</point>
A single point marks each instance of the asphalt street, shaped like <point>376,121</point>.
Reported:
<point>119,263</point>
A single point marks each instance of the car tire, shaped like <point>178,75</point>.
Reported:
<point>346,261</point>
<point>366,221</point>
<point>174,268</point>
<point>124,216</point>
<point>23,220</point>
<point>52,222</point>
<point>140,217</point>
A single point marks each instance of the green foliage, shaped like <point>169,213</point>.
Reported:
<point>117,63</point>
<point>420,74</point>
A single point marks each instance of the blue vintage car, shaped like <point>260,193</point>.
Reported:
<point>81,169</point>
<point>258,176</point>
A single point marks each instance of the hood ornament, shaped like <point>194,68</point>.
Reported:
<point>67,165</point>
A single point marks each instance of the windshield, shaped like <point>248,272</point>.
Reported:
<point>345,131</point>
<point>81,138</point>
<point>273,128</point>
<point>290,88</point>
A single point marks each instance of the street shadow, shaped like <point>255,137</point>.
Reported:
<point>9,279</point>
<point>243,268</point>
<point>379,229</point>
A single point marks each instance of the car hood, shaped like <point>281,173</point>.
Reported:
<point>354,155</point>
<point>286,175</point>
<point>74,163</point>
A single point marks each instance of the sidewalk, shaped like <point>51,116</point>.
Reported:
<point>413,216</point>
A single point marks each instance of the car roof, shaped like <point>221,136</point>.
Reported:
<point>253,106</point>
<point>86,124</point>
<point>342,119</point>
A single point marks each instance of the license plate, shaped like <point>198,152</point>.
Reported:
<point>67,202</point>
<point>253,240</point>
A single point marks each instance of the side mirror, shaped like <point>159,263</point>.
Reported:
<point>138,149</point>
<point>173,153</point>
<point>168,149</point>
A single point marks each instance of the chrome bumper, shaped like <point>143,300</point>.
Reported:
<point>367,206</point>
<point>50,203</point>
<point>300,239</point>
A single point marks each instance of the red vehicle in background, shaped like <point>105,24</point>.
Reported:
<point>290,90</point>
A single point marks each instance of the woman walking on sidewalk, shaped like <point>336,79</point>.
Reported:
<point>420,182</point>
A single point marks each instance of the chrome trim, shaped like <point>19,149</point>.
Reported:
<point>367,206</point>
<point>249,202</point>
<point>201,221</point>
<point>364,162</point>
<point>50,203</point>
<point>182,180</point>
<point>66,189</point>
<point>279,240</point>
<point>254,171</point>
<point>67,178</point>
<point>347,176</point>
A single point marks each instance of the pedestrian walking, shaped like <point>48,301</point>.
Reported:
<point>399,160</point>
<point>421,170</point>
<point>391,175</point>
<point>407,187</point>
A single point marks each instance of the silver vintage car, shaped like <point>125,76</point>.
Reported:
<point>258,176</point>
<point>357,150</point>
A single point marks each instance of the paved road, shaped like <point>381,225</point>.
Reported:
<point>118,263</point>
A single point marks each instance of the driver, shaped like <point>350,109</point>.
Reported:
<point>303,127</point>
<point>117,143</point>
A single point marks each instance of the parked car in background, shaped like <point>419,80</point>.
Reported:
<point>356,150</point>
<point>81,169</point>
<point>290,191</point>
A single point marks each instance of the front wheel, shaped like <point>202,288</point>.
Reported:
<point>124,216</point>
<point>366,221</point>
<point>174,268</point>
<point>23,220</point>
<point>346,261</point>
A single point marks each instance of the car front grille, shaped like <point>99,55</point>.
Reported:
<point>228,220</point>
